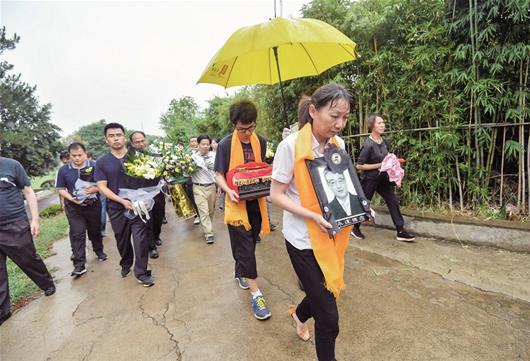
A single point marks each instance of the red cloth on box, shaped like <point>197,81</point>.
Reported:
<point>247,171</point>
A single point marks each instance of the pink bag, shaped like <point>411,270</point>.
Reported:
<point>392,166</point>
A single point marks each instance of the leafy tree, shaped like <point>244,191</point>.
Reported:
<point>180,120</point>
<point>450,67</point>
<point>91,135</point>
<point>215,120</point>
<point>27,133</point>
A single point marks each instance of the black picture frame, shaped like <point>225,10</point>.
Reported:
<point>332,209</point>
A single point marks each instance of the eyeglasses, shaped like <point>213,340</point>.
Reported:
<point>249,129</point>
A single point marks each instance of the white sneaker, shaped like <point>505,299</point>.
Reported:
<point>197,220</point>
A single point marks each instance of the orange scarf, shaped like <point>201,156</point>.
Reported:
<point>329,253</point>
<point>236,213</point>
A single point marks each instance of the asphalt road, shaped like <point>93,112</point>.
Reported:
<point>425,301</point>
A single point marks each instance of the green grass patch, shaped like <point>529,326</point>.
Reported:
<point>36,182</point>
<point>51,229</point>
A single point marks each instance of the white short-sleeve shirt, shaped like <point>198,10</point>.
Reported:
<point>294,227</point>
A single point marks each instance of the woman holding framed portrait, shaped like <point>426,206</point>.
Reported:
<point>317,260</point>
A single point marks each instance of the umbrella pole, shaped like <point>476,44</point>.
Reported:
<point>286,122</point>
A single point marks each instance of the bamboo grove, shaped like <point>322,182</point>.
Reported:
<point>451,79</point>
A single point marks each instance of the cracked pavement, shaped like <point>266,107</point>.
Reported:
<point>430,300</point>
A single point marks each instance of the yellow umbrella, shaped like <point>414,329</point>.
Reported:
<point>280,49</point>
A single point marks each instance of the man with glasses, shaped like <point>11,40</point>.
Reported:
<point>16,232</point>
<point>139,144</point>
<point>243,218</point>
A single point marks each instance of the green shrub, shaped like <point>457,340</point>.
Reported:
<point>50,211</point>
<point>48,184</point>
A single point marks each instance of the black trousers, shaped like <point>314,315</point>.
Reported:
<point>157,215</point>
<point>318,303</point>
<point>385,189</point>
<point>16,243</point>
<point>188,188</point>
<point>136,252</point>
<point>243,243</point>
<point>83,219</point>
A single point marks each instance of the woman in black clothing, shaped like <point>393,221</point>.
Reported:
<point>369,162</point>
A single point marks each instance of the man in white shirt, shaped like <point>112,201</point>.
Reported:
<point>204,190</point>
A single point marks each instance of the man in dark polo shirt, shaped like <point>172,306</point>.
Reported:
<point>16,241</point>
<point>139,144</point>
<point>82,210</point>
<point>109,175</point>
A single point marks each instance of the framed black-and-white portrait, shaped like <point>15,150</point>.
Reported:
<point>338,189</point>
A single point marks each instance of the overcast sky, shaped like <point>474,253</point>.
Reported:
<point>123,61</point>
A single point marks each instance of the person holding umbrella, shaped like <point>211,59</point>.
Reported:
<point>317,260</point>
<point>245,219</point>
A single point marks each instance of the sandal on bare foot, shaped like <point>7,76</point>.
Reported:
<point>302,331</point>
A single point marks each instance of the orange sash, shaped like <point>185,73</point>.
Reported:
<point>329,253</point>
<point>236,213</point>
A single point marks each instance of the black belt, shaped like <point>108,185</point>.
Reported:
<point>203,184</point>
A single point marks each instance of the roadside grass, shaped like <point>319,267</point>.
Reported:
<point>51,229</point>
<point>36,182</point>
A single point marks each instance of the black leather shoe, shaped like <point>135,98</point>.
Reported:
<point>153,253</point>
<point>4,317</point>
<point>158,242</point>
<point>125,271</point>
<point>102,256</point>
<point>49,291</point>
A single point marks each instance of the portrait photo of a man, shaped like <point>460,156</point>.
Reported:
<point>342,199</point>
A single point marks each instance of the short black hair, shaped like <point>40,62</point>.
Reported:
<point>136,132</point>
<point>89,154</point>
<point>202,137</point>
<point>244,111</point>
<point>192,136</point>
<point>76,145</point>
<point>64,155</point>
<point>113,126</point>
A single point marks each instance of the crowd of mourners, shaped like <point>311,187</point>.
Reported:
<point>317,260</point>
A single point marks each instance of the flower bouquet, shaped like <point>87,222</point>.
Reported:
<point>142,183</point>
<point>142,170</point>
<point>178,162</point>
<point>269,152</point>
<point>179,165</point>
<point>84,182</point>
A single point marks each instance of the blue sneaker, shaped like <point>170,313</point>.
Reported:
<point>260,309</point>
<point>242,283</point>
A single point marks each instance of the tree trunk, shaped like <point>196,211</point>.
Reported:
<point>459,186</point>
<point>491,153</point>
<point>502,166</point>
<point>528,143</point>
<point>450,199</point>
<point>521,186</point>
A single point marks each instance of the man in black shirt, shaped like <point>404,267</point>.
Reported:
<point>109,175</point>
<point>16,241</point>
<point>139,143</point>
